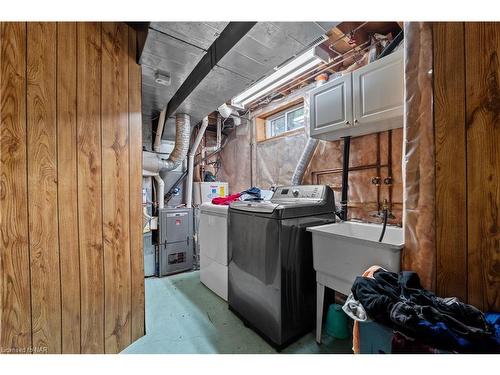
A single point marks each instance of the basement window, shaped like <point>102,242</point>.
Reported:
<point>285,121</point>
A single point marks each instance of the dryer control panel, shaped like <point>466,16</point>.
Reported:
<point>309,192</point>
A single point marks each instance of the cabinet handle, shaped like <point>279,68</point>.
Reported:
<point>347,123</point>
<point>355,121</point>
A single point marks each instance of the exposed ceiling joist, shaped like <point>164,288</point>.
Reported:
<point>222,45</point>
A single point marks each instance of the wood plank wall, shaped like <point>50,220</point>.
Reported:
<point>71,264</point>
<point>467,128</point>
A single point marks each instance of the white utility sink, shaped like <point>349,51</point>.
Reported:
<point>342,251</point>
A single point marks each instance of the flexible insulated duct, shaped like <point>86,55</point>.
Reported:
<point>153,163</point>
<point>305,158</point>
<point>181,148</point>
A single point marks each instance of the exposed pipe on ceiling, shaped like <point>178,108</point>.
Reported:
<point>330,46</point>
<point>344,57</point>
<point>312,73</point>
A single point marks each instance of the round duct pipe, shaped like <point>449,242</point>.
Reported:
<point>153,162</point>
<point>181,148</point>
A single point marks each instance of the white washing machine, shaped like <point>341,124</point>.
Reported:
<point>212,237</point>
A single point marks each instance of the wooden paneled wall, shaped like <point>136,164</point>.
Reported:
<point>467,138</point>
<point>71,263</point>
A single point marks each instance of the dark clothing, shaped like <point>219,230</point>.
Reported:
<point>400,302</point>
<point>493,320</point>
<point>255,191</point>
<point>402,344</point>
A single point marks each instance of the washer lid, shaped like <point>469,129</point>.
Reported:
<point>218,209</point>
<point>254,206</point>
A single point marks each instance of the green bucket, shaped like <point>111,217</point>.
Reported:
<point>336,322</point>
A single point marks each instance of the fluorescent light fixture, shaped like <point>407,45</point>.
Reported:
<point>284,74</point>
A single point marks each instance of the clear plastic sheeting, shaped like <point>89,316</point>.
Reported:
<point>246,162</point>
<point>276,159</point>
<point>236,159</point>
<point>419,161</point>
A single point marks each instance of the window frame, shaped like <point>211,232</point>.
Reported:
<point>269,131</point>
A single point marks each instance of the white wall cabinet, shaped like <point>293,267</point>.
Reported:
<point>331,107</point>
<point>368,100</point>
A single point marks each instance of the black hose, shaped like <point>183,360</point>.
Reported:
<point>386,214</point>
<point>345,177</point>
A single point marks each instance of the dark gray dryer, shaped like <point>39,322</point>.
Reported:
<point>271,275</point>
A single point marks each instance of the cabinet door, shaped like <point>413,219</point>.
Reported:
<point>331,106</point>
<point>378,92</point>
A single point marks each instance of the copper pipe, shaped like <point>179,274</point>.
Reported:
<point>309,75</point>
<point>389,169</point>
<point>344,35</point>
<point>335,63</point>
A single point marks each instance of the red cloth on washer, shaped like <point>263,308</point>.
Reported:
<point>226,200</point>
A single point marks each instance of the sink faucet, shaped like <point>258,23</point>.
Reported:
<point>380,213</point>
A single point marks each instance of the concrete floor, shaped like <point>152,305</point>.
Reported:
<point>183,316</point>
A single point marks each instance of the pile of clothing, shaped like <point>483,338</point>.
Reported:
<point>252,194</point>
<point>399,301</point>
